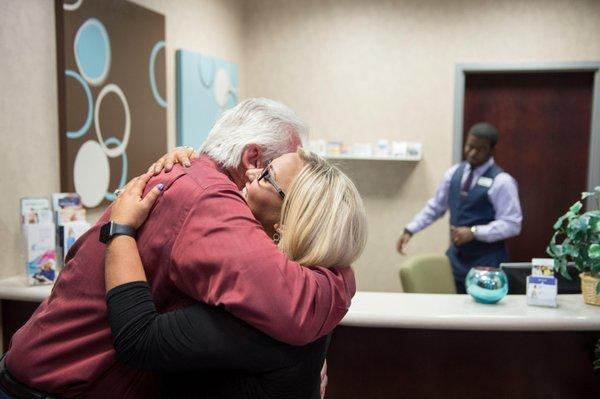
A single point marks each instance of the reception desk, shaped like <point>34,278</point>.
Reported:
<point>394,345</point>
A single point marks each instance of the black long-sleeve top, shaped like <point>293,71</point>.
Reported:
<point>204,352</point>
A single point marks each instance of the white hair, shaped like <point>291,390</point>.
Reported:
<point>268,124</point>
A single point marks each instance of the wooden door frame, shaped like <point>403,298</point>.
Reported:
<point>462,69</point>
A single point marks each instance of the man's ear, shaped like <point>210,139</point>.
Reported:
<point>252,157</point>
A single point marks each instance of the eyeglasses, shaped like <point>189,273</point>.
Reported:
<point>266,174</point>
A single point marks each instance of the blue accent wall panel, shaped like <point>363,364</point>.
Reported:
<point>206,87</point>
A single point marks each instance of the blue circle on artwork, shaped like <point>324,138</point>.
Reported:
<point>92,51</point>
<point>117,142</point>
<point>88,94</point>
<point>157,47</point>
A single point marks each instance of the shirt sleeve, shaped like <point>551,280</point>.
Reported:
<point>504,196</point>
<point>197,337</point>
<point>436,207</point>
<point>222,256</point>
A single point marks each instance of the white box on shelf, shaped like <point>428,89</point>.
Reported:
<point>399,149</point>
<point>382,149</point>
<point>362,149</point>
<point>414,149</point>
<point>334,148</point>
<point>320,147</point>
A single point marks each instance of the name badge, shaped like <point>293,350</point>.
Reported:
<point>485,182</point>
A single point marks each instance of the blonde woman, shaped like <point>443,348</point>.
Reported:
<point>203,351</point>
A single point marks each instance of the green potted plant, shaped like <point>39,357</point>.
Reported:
<point>580,235</point>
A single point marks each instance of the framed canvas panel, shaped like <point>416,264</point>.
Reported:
<point>206,87</point>
<point>112,94</point>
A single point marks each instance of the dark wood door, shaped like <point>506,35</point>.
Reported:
<point>544,122</point>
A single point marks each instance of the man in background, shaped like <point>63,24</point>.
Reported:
<point>484,207</point>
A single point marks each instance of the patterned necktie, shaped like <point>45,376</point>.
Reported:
<point>466,185</point>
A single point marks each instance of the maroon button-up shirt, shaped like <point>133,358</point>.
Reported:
<point>200,242</point>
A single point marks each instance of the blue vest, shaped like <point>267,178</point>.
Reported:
<point>475,209</point>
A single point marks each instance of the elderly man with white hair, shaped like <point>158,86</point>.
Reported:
<point>200,243</point>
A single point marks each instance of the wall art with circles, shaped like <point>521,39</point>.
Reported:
<point>206,87</point>
<point>112,94</point>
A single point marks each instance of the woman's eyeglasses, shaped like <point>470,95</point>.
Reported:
<point>266,174</point>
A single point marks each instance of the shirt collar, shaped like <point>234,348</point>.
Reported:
<point>482,168</point>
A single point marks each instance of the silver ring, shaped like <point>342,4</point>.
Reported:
<point>118,191</point>
<point>186,147</point>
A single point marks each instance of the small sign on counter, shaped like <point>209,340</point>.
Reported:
<point>542,286</point>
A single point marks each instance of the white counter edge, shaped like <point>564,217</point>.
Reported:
<point>421,311</point>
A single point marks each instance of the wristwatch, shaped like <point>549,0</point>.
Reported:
<point>474,230</point>
<point>111,229</point>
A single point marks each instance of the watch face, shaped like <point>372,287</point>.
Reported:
<point>105,232</point>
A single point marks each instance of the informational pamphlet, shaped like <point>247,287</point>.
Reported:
<point>39,239</point>
<point>35,210</point>
<point>542,267</point>
<point>71,232</point>
<point>542,286</point>
<point>69,216</point>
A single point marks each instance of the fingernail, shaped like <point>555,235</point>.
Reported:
<point>160,186</point>
<point>186,164</point>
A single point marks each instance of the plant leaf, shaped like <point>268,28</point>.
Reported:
<point>561,219</point>
<point>594,251</point>
<point>576,207</point>
<point>598,288</point>
<point>586,194</point>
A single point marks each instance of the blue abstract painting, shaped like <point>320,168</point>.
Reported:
<point>206,87</point>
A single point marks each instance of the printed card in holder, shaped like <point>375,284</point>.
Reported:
<point>71,233</point>
<point>35,210</point>
<point>39,239</point>
<point>542,286</point>
<point>40,250</point>
<point>68,210</point>
<point>542,267</point>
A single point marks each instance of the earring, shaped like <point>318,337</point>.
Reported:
<point>276,238</point>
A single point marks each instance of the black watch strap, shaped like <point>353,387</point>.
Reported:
<point>112,229</point>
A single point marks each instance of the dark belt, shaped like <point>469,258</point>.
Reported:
<point>16,389</point>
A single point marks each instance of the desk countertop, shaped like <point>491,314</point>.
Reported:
<point>461,312</point>
<point>422,311</point>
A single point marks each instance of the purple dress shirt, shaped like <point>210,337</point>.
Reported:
<point>503,194</point>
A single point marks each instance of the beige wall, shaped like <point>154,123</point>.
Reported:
<point>356,70</point>
<point>362,70</point>
<point>29,111</point>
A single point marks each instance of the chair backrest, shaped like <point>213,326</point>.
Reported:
<point>427,273</point>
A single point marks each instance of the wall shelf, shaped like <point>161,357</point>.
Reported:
<point>373,158</point>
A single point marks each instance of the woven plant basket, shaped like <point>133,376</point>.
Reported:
<point>588,289</point>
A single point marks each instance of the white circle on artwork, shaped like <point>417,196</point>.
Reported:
<point>118,150</point>
<point>91,173</point>
<point>72,7</point>
<point>222,86</point>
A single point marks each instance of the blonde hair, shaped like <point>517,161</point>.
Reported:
<point>323,218</point>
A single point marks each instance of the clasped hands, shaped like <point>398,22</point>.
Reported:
<point>461,235</point>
